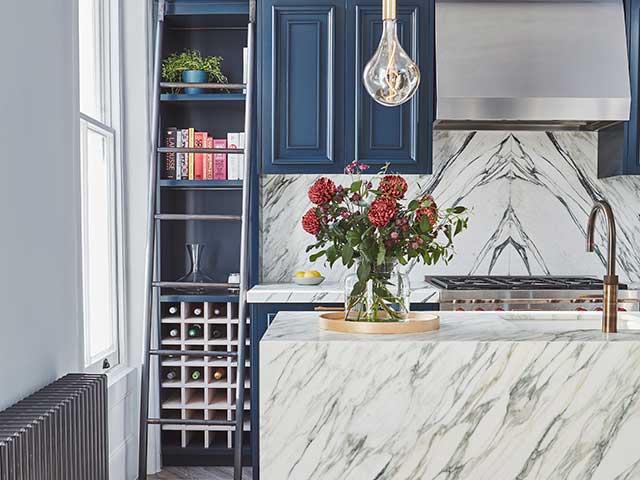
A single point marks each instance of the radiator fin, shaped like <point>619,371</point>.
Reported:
<point>58,433</point>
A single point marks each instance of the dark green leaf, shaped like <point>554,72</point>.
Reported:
<point>364,269</point>
<point>413,205</point>
<point>347,254</point>
<point>459,209</point>
<point>355,186</point>
<point>316,256</point>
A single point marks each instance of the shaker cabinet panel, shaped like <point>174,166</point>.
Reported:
<point>302,108</point>
<point>315,115</point>
<point>382,134</point>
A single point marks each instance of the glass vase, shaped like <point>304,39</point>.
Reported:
<point>196,274</point>
<point>384,296</point>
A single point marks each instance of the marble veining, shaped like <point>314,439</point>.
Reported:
<point>481,399</point>
<point>326,292</point>
<point>530,194</point>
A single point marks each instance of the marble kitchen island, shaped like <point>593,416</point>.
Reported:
<point>489,396</point>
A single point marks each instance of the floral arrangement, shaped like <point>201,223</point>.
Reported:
<point>368,223</point>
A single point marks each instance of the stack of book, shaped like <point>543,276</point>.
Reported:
<point>202,166</point>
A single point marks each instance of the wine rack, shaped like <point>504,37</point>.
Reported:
<point>201,387</point>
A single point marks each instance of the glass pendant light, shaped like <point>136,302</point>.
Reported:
<point>390,77</point>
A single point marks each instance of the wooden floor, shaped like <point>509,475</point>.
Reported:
<point>199,473</point>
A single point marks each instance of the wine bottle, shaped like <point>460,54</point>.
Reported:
<point>216,333</point>
<point>174,332</point>
<point>195,375</point>
<point>195,330</point>
<point>171,375</point>
<point>197,311</point>
<point>173,310</point>
<point>219,374</point>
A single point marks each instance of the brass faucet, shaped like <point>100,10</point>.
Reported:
<point>610,306</point>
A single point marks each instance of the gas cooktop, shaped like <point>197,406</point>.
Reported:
<point>488,282</point>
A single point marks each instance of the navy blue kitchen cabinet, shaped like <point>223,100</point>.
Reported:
<point>376,134</point>
<point>619,146</point>
<point>302,86</point>
<point>315,115</point>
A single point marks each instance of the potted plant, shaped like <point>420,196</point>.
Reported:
<point>370,224</point>
<point>191,67</point>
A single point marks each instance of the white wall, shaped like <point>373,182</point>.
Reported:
<point>40,335</point>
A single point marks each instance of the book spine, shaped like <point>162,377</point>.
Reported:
<point>185,157</point>
<point>190,156</point>
<point>179,155</point>
<point>233,139</point>
<point>219,160</point>
<point>200,141</point>
<point>241,145</point>
<point>170,158</point>
<point>209,160</point>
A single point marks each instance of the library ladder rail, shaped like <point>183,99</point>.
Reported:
<point>152,285</point>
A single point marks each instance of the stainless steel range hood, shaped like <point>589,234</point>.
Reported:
<point>531,64</point>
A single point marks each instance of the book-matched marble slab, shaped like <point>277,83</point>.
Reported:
<point>488,396</point>
<point>530,195</point>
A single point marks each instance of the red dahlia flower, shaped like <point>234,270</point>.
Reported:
<point>430,212</point>
<point>394,186</point>
<point>311,222</point>
<point>322,191</point>
<point>382,211</point>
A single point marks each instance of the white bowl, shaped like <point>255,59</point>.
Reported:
<point>307,280</point>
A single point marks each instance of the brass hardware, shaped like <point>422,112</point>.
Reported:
<point>610,303</point>
<point>328,309</point>
<point>388,9</point>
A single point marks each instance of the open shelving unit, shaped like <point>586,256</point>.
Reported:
<point>213,28</point>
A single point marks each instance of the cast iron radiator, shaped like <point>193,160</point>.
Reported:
<point>59,432</point>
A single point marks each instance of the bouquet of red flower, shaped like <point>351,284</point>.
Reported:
<point>370,225</point>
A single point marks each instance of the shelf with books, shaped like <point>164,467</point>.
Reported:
<point>203,97</point>
<point>202,184</point>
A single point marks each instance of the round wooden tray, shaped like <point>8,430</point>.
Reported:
<point>418,322</point>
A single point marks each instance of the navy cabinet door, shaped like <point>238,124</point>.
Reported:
<point>619,145</point>
<point>302,91</point>
<point>632,135</point>
<point>377,134</point>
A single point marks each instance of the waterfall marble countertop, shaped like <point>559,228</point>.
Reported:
<point>489,396</point>
<point>326,292</point>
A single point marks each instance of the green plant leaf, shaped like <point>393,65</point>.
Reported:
<point>425,226</point>
<point>347,254</point>
<point>317,255</point>
<point>413,205</point>
<point>381,254</point>
<point>458,227</point>
<point>364,269</point>
<point>355,186</point>
<point>458,209</point>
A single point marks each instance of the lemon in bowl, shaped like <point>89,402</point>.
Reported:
<point>309,277</point>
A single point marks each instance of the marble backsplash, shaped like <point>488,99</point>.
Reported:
<point>530,194</point>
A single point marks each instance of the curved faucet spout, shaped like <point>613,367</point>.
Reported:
<point>604,207</point>
<point>610,297</point>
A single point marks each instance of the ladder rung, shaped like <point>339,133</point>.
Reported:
<point>191,421</point>
<point>194,216</point>
<point>193,353</point>
<point>194,285</point>
<point>199,150</point>
<point>213,86</point>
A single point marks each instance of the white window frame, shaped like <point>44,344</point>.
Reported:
<point>111,130</point>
